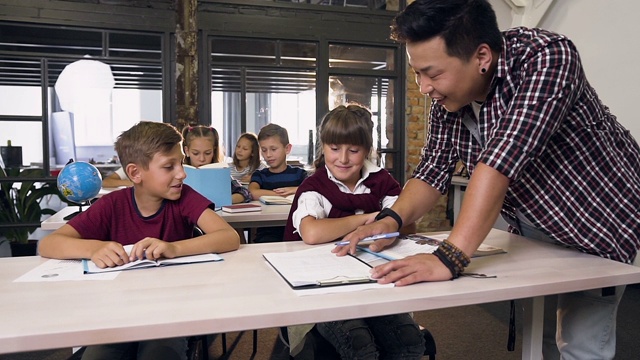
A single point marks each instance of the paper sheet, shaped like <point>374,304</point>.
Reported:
<point>62,270</point>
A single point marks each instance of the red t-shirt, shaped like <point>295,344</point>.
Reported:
<point>115,217</point>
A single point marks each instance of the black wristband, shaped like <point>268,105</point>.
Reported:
<point>388,212</point>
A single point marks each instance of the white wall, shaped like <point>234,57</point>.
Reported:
<point>605,35</point>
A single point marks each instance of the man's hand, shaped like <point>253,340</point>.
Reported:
<point>109,254</point>
<point>410,270</point>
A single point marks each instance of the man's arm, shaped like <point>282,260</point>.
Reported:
<point>480,208</point>
<point>416,198</point>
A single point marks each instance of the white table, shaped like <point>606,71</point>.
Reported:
<point>243,293</point>
<point>270,215</point>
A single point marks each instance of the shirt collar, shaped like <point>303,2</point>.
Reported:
<point>367,169</point>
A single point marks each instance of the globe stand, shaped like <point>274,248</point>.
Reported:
<point>73,214</point>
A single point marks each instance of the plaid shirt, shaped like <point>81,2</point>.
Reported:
<point>574,170</point>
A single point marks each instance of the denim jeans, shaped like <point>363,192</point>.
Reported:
<point>579,325</point>
<point>382,337</point>
<point>162,349</point>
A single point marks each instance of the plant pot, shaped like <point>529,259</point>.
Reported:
<point>21,249</point>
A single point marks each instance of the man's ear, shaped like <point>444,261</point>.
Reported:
<point>288,148</point>
<point>484,57</point>
<point>133,172</point>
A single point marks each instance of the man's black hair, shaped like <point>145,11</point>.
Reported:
<point>463,24</point>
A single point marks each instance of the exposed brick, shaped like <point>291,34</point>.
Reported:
<point>416,123</point>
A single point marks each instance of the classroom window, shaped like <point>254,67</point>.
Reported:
<point>277,81</point>
<point>32,58</point>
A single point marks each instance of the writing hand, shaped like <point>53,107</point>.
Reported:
<point>410,270</point>
<point>109,254</point>
<point>362,232</point>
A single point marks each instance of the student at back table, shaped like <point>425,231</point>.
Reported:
<point>279,178</point>
<point>116,179</point>
<point>202,147</point>
<point>157,215</point>
<point>246,158</point>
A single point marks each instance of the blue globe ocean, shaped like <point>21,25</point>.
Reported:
<point>79,181</point>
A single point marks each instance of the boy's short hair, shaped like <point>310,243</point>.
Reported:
<point>143,140</point>
<point>271,130</point>
<point>463,24</point>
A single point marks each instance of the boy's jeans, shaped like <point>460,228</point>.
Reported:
<point>396,337</point>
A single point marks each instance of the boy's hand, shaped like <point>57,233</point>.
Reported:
<point>286,191</point>
<point>110,254</point>
<point>152,249</point>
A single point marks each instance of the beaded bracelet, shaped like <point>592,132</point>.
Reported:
<point>443,258</point>
<point>452,257</point>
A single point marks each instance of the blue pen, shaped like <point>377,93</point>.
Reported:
<point>372,238</point>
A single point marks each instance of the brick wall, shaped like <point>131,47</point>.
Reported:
<point>416,115</point>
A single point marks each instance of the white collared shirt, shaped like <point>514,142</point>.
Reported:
<point>312,203</point>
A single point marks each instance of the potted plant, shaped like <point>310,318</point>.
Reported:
<point>20,204</point>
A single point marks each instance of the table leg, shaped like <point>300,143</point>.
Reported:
<point>532,328</point>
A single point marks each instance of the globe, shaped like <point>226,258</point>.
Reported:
<point>79,181</point>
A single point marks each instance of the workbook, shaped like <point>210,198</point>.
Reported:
<point>318,267</point>
<point>413,244</point>
<point>89,267</point>
<point>276,200</point>
<point>212,181</point>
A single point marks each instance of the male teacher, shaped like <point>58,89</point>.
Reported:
<point>542,150</point>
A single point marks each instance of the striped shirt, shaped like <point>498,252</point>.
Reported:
<point>291,176</point>
<point>574,170</point>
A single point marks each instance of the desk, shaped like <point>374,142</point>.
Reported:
<point>243,292</point>
<point>270,215</point>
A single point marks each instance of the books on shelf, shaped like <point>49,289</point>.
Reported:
<point>212,181</point>
<point>276,200</point>
<point>240,208</point>
<point>90,268</point>
<point>413,244</point>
